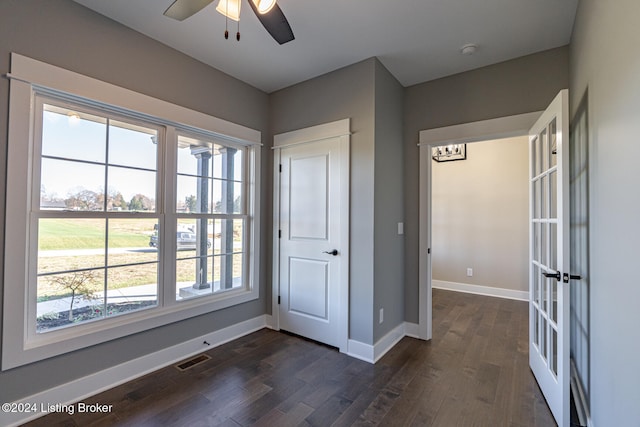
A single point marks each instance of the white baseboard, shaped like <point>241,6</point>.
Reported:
<point>373,353</point>
<point>412,330</point>
<point>481,290</point>
<point>76,390</point>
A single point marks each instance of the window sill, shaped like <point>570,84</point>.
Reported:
<point>45,345</point>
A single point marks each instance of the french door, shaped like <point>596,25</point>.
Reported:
<point>549,277</point>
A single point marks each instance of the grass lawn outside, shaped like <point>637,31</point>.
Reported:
<point>57,234</point>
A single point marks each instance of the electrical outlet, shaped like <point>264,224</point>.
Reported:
<point>400,228</point>
<point>469,272</point>
<point>381,315</point>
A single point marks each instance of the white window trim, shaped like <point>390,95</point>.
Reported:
<point>28,75</point>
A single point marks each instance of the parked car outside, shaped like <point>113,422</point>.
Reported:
<point>184,241</point>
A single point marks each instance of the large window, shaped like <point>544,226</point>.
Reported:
<point>211,217</point>
<point>95,215</point>
<point>124,213</point>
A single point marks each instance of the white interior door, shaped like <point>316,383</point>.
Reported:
<point>312,243</point>
<point>549,256</point>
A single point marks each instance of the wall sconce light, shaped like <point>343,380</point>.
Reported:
<point>447,153</point>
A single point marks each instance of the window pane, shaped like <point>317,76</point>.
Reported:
<point>194,237</point>
<point>227,197</point>
<point>131,145</point>
<point>193,194</point>
<point>194,157</point>
<point>73,135</point>
<point>70,244</point>
<point>228,236</point>
<point>192,280</point>
<point>69,299</point>
<point>198,161</point>
<point>129,241</point>
<point>131,189</point>
<point>71,185</point>
<point>131,288</point>
<point>227,163</point>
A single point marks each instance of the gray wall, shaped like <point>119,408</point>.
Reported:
<point>604,62</point>
<point>368,94</point>
<point>518,86</point>
<point>66,34</point>
<point>388,269</point>
<point>345,93</point>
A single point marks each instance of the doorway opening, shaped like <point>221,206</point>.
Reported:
<point>505,127</point>
<point>480,233</point>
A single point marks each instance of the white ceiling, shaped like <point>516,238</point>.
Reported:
<point>417,40</point>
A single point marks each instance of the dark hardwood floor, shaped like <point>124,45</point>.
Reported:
<point>473,373</point>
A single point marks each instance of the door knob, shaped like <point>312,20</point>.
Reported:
<point>567,276</point>
<point>333,252</point>
<point>555,275</point>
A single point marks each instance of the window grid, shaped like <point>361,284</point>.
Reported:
<point>159,212</point>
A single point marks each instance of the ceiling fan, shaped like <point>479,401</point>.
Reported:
<point>267,11</point>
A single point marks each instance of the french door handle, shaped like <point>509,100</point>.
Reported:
<point>334,252</point>
<point>555,275</point>
<point>567,276</point>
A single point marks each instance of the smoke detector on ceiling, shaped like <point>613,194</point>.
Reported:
<point>469,49</point>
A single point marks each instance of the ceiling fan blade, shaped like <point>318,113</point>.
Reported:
<point>275,23</point>
<point>182,9</point>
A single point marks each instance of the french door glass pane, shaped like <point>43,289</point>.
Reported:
<point>544,142</point>
<point>543,244</point>
<point>545,295</point>
<point>536,242</point>
<point>553,143</point>
<point>536,327</point>
<point>553,194</point>
<point>544,183</point>
<point>554,301</point>
<point>536,284</point>
<point>553,246</point>
<point>536,199</point>
<point>554,351</point>
<point>537,154</point>
<point>543,338</point>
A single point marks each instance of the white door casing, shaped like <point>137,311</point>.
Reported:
<point>549,275</point>
<point>311,218</point>
<point>484,130</point>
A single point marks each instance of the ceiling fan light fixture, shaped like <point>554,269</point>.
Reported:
<point>230,9</point>
<point>264,6</point>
